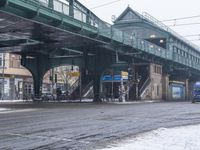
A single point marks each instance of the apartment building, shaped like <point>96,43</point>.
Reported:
<point>16,81</point>
<point>13,76</point>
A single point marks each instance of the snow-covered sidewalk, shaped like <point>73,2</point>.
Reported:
<point>12,101</point>
<point>4,109</point>
<point>179,138</point>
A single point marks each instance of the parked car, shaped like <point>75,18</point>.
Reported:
<point>196,92</point>
<point>47,96</point>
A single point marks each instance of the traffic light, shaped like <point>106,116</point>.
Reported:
<point>130,77</point>
<point>55,78</point>
<point>130,74</point>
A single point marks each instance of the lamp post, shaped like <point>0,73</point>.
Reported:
<point>112,89</point>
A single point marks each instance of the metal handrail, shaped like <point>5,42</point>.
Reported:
<point>146,84</point>
<point>108,31</point>
<point>104,28</point>
<point>158,23</point>
<point>87,87</point>
<point>73,87</point>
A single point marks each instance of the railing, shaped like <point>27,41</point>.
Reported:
<point>153,20</point>
<point>144,86</point>
<point>85,16</point>
<point>82,14</point>
<point>87,88</point>
<point>73,87</point>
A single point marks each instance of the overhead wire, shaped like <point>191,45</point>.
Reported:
<point>182,18</point>
<point>191,35</point>
<point>105,4</point>
<point>194,40</point>
<point>167,20</point>
<point>184,24</point>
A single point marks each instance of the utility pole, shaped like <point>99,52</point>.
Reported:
<point>3,75</point>
<point>80,86</point>
<point>112,88</point>
<point>52,79</point>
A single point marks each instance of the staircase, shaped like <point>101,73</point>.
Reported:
<point>145,89</point>
<point>74,90</point>
<point>88,92</point>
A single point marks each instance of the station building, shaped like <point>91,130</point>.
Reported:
<point>156,82</point>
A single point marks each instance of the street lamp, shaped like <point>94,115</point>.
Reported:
<point>3,76</point>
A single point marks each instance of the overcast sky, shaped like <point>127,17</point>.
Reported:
<point>160,9</point>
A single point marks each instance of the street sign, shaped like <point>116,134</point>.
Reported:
<point>117,78</point>
<point>124,73</point>
<point>74,74</point>
<point>114,78</point>
<point>107,78</point>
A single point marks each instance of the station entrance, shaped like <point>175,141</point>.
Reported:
<point>114,91</point>
<point>114,81</point>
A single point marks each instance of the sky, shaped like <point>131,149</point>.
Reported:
<point>160,9</point>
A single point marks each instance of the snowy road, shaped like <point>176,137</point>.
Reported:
<point>87,126</point>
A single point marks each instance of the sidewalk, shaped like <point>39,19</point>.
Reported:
<point>178,138</point>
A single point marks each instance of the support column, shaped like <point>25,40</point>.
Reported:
<point>97,76</point>
<point>38,67</point>
<point>186,89</point>
<point>102,61</point>
<point>71,8</point>
<point>39,64</point>
<point>50,5</point>
<point>97,97</point>
<point>88,19</point>
<point>165,87</point>
<point>190,89</point>
<point>37,80</point>
<point>84,69</point>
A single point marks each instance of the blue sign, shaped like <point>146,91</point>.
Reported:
<point>117,77</point>
<point>110,78</point>
<point>107,78</point>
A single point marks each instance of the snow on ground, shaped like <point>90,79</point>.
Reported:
<point>179,138</point>
<point>4,109</point>
<point>11,101</point>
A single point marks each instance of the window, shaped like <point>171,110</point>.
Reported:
<point>157,69</point>
<point>15,61</point>
<point>182,53</point>
<point>179,52</point>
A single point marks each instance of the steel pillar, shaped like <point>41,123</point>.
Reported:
<point>51,4</point>
<point>102,61</point>
<point>71,8</point>
<point>38,67</point>
<point>85,69</point>
<point>165,87</point>
<point>186,89</point>
<point>40,64</point>
<point>97,97</point>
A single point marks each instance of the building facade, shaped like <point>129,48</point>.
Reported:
<point>15,80</point>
